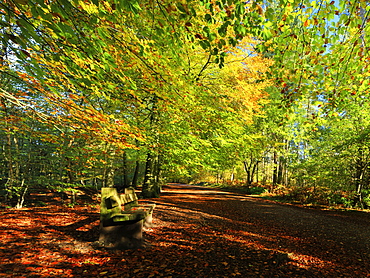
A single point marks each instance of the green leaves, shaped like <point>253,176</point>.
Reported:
<point>208,18</point>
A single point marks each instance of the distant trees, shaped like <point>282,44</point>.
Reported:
<point>112,91</point>
<point>124,92</point>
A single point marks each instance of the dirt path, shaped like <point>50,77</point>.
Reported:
<point>198,232</point>
<point>320,243</point>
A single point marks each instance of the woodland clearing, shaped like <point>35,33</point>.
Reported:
<point>198,232</point>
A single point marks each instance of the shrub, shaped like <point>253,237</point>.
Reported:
<point>257,190</point>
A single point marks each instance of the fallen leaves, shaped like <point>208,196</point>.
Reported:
<point>195,235</point>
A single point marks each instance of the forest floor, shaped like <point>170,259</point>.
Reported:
<point>198,232</point>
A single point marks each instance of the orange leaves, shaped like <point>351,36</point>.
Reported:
<point>73,110</point>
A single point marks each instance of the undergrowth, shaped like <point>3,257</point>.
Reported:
<point>305,195</point>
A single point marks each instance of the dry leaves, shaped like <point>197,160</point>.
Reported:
<point>197,233</point>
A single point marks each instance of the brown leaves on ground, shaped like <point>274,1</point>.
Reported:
<point>198,232</point>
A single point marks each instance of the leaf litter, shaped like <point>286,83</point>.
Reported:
<point>197,232</point>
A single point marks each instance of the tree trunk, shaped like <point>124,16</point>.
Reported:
<point>136,174</point>
<point>232,176</point>
<point>22,194</point>
<point>151,186</point>
<point>109,176</point>
<point>275,171</point>
<point>250,170</point>
<point>279,179</point>
<point>10,175</point>
<point>254,170</point>
<point>361,165</point>
<point>126,182</point>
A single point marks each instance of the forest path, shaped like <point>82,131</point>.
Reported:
<point>328,243</point>
<point>198,232</point>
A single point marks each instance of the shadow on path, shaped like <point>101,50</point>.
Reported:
<point>332,242</point>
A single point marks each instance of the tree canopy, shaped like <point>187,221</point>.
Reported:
<point>123,92</point>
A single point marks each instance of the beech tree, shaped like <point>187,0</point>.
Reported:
<point>135,89</point>
<point>112,71</point>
